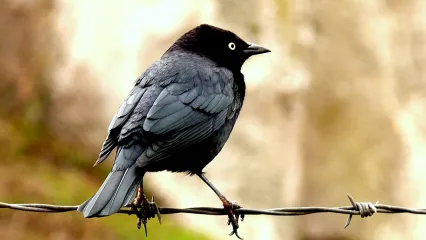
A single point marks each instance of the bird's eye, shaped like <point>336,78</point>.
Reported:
<point>231,46</point>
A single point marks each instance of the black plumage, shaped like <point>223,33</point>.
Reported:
<point>178,115</point>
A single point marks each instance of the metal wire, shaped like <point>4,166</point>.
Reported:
<point>364,209</point>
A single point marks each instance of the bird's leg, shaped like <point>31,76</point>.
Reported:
<point>144,210</point>
<point>138,205</point>
<point>229,206</point>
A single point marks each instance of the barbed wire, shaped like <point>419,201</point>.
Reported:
<point>364,209</point>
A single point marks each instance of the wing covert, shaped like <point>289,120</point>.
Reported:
<point>186,113</point>
<point>122,115</point>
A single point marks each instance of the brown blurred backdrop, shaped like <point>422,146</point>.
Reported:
<point>337,107</point>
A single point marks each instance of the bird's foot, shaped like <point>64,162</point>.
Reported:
<point>145,210</point>
<point>233,216</point>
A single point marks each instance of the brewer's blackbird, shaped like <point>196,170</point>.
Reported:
<point>177,118</point>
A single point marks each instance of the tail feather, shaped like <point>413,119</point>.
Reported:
<point>131,194</point>
<point>119,186</point>
<point>117,201</point>
<point>87,207</point>
<point>113,194</point>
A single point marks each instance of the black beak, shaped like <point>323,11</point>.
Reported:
<point>254,49</point>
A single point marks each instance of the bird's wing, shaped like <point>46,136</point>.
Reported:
<point>123,114</point>
<point>183,104</point>
<point>189,109</point>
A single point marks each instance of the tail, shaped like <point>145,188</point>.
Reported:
<point>118,189</point>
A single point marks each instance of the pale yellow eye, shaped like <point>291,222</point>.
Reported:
<point>231,46</point>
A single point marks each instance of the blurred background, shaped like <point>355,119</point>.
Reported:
<point>337,107</point>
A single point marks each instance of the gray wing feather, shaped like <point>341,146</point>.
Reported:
<point>183,115</point>
<point>118,121</point>
<point>126,108</point>
<point>134,124</point>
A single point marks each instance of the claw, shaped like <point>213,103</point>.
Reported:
<point>146,230</point>
<point>138,213</point>
<point>138,224</point>
<point>236,234</point>
<point>145,210</point>
<point>232,216</point>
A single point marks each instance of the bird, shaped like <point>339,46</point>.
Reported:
<point>177,118</point>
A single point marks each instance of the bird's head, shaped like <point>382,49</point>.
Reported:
<point>221,46</point>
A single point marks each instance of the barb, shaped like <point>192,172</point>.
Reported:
<point>364,209</point>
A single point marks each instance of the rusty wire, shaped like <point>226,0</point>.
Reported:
<point>364,209</point>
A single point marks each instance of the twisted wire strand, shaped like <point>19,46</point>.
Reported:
<point>364,209</point>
